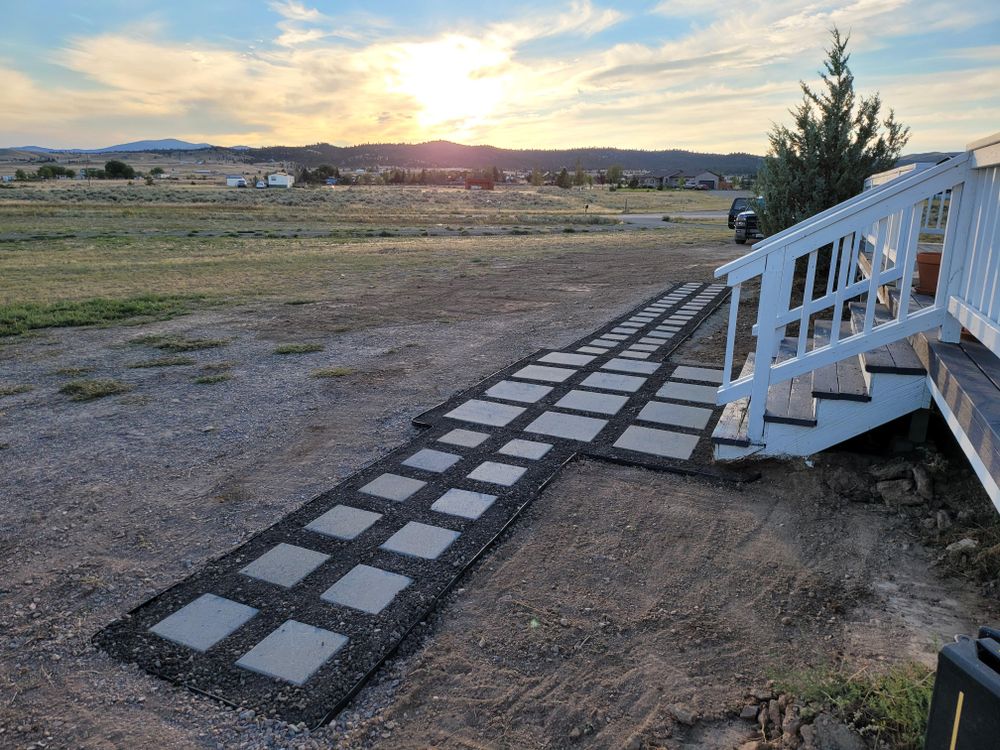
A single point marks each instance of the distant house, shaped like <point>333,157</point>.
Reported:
<point>651,181</point>
<point>675,179</point>
<point>709,179</point>
<point>478,183</point>
<point>331,180</point>
<point>260,185</point>
<point>7,178</point>
<point>280,179</point>
<point>235,180</point>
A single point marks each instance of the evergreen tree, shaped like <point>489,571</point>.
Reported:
<point>564,180</point>
<point>537,178</point>
<point>837,140</point>
<point>614,174</point>
<point>579,176</point>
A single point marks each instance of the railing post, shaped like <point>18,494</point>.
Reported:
<point>770,303</point>
<point>954,253</point>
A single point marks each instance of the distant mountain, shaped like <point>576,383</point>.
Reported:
<point>443,154</point>
<point>164,144</point>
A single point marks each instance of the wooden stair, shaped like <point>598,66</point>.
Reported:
<point>824,407</point>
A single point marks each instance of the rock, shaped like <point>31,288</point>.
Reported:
<point>830,734</point>
<point>808,737</point>
<point>925,485</point>
<point>965,515</point>
<point>634,743</point>
<point>575,733</point>
<point>892,470</point>
<point>955,550</point>
<point>753,745</point>
<point>564,622</point>
<point>897,492</point>
<point>849,485</point>
<point>247,715</point>
<point>749,712</point>
<point>774,714</point>
<point>942,518</point>
<point>786,621</point>
<point>682,715</point>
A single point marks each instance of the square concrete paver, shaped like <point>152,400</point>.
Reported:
<point>600,403</point>
<point>644,347</point>
<point>566,358</point>
<point>497,473</point>
<point>464,503</point>
<point>704,374</point>
<point>529,449</point>
<point>592,350</point>
<point>285,564</point>
<point>366,588</point>
<point>653,340</point>
<point>204,622</point>
<point>343,522</point>
<point>420,540</point>
<point>392,487</point>
<point>676,414</point>
<point>625,331</point>
<point>635,355</point>
<point>614,336</point>
<point>293,652</point>
<point>464,438</point>
<point>511,390</point>
<point>702,394</point>
<point>610,382</point>
<point>541,372</point>
<point>485,412</point>
<point>429,459</point>
<point>646,368</point>
<point>657,442</point>
<point>605,343</point>
<point>569,426</point>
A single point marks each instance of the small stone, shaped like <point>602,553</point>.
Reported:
<point>247,715</point>
<point>955,550</point>
<point>893,470</point>
<point>897,492</point>
<point>564,622</point>
<point>749,712</point>
<point>786,620</point>
<point>575,733</point>
<point>925,485</point>
<point>943,519</point>
<point>682,714</point>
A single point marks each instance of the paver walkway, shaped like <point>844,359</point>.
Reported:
<point>293,622</point>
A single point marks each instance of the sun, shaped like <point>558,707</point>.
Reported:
<point>455,81</point>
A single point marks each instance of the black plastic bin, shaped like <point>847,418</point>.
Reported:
<point>965,709</point>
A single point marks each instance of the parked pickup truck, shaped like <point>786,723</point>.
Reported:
<point>747,227</point>
<point>739,205</point>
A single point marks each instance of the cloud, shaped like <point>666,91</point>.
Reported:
<point>359,78</point>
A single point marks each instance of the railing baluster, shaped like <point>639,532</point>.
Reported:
<point>873,283</point>
<point>770,286</point>
<point>834,259</point>
<point>911,222</point>
<point>734,309</point>
<point>807,294</point>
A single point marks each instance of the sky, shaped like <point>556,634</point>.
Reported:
<point>702,75</point>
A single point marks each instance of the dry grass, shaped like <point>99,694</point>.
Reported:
<point>298,348</point>
<point>88,390</point>
<point>332,372</point>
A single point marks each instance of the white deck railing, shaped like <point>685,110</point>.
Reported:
<point>958,198</point>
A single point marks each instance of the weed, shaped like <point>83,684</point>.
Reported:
<point>298,348</point>
<point>178,343</point>
<point>332,372</point>
<point>73,372</point>
<point>666,218</point>
<point>892,705</point>
<point>210,379</point>
<point>19,318</point>
<point>217,366</point>
<point>13,390</point>
<point>162,362</point>
<point>88,390</point>
<point>300,302</point>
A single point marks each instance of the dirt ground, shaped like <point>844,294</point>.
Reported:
<point>623,604</point>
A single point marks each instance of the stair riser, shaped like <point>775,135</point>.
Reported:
<point>884,383</point>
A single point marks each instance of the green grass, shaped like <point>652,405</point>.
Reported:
<point>210,379</point>
<point>298,348</point>
<point>332,372</point>
<point>178,343</point>
<point>162,362</point>
<point>73,372</point>
<point>16,319</point>
<point>13,390</point>
<point>217,366</point>
<point>891,705</point>
<point>88,390</point>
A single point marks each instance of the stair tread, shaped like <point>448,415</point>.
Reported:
<point>791,401</point>
<point>897,358</point>
<point>841,380</point>
<point>732,426</point>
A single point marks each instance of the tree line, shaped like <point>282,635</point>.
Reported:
<point>113,170</point>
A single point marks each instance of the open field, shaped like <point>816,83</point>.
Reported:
<point>274,367</point>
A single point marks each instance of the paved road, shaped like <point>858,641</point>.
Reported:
<point>655,220</point>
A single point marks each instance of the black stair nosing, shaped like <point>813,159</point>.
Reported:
<point>881,352</point>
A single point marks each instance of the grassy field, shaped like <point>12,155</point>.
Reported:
<point>77,255</point>
<point>74,207</point>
